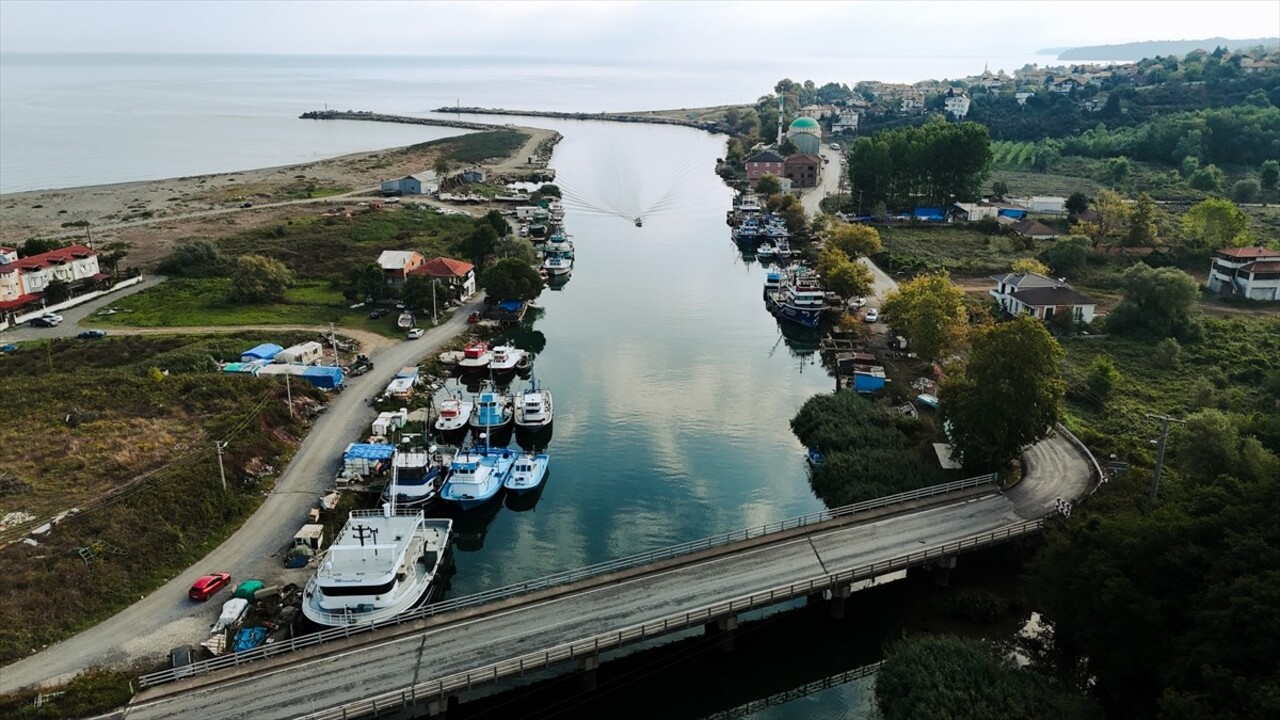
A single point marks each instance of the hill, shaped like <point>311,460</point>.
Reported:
<point>1152,48</point>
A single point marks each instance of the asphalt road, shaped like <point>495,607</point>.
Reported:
<point>144,631</point>
<point>72,317</point>
<point>309,681</point>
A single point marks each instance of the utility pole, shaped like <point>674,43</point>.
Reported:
<point>221,445</point>
<point>288,392</point>
<point>333,340</point>
<point>433,301</point>
<point>1164,436</point>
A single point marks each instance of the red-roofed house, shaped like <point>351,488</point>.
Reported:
<point>454,273</point>
<point>1249,272</point>
<point>23,280</point>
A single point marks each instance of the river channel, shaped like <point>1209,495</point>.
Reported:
<point>673,386</point>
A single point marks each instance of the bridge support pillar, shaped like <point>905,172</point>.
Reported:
<point>836,600</point>
<point>942,571</point>
<point>723,631</point>
<point>587,667</point>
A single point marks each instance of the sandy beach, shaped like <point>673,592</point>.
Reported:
<point>152,215</point>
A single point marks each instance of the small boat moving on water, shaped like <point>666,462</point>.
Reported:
<point>382,563</point>
<point>533,407</point>
<point>639,221</point>
<point>455,414</point>
<point>476,475</point>
<point>527,473</point>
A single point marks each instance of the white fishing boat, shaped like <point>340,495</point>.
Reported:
<point>454,414</point>
<point>557,265</point>
<point>416,477</point>
<point>381,564</point>
<point>506,358</point>
<point>533,407</point>
<point>527,473</point>
<point>492,410</point>
<point>766,250</point>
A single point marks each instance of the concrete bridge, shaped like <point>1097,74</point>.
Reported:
<point>459,647</point>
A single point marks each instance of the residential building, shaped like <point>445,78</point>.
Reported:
<point>397,264</point>
<point>458,276</point>
<point>972,212</point>
<point>912,101</point>
<point>1249,272</point>
<point>1251,66</point>
<point>1041,297</point>
<point>802,170</point>
<point>1034,229</point>
<point>956,104</point>
<point>846,122</point>
<point>1022,97</point>
<point>763,163</point>
<point>23,280</point>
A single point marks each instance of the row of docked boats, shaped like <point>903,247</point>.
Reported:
<point>491,410</point>
<point>479,355</point>
<point>557,255</point>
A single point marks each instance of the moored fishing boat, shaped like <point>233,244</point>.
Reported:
<point>416,477</point>
<point>382,563</point>
<point>476,475</point>
<point>475,356</point>
<point>492,409</point>
<point>527,473</point>
<point>533,407</point>
<point>506,358</point>
<point>454,414</point>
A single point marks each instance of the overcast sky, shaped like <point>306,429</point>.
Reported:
<point>625,30</point>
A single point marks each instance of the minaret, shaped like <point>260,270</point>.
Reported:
<point>781,111</point>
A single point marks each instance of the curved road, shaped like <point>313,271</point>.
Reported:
<point>144,631</point>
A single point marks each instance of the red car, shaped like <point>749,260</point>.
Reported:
<point>205,587</point>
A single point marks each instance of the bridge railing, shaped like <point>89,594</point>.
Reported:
<point>558,579</point>
<point>588,647</point>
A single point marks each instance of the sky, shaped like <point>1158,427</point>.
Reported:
<point>601,29</point>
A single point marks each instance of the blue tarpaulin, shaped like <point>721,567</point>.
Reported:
<point>1012,213</point>
<point>369,451</point>
<point>933,214</point>
<point>265,351</point>
<point>510,306</point>
<point>323,376</point>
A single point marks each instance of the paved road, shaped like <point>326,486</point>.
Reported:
<point>71,317</point>
<point>309,681</point>
<point>145,630</point>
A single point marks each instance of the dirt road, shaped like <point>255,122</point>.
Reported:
<point>143,632</point>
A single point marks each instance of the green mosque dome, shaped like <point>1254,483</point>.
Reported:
<point>804,123</point>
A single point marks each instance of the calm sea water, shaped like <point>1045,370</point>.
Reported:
<point>69,120</point>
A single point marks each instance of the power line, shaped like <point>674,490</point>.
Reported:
<point>1164,435</point>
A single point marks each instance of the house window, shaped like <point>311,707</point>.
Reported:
<point>1078,314</point>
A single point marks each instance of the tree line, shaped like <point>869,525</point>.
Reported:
<point>935,164</point>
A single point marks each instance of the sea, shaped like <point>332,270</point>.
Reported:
<point>68,120</point>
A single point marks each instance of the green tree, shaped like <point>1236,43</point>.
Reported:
<point>944,676</point>
<point>195,259</point>
<point>516,247</point>
<point>768,185</point>
<point>1246,190</point>
<point>999,188</point>
<point>929,310</point>
<point>258,279</point>
<point>1029,265</point>
<point>368,282</point>
<point>1077,203</point>
<point>511,279</point>
<point>1067,256</point>
<point>549,190</point>
<point>1157,303</point>
<point>1214,224</point>
<point>1141,230</point>
<point>57,291</point>
<point>416,292</point>
<point>36,246</point>
<point>498,223</point>
<point>792,212</point>
<point>1208,179</point>
<point>1270,174</point>
<point>843,276</point>
<point>480,243</point>
<point>1118,170</point>
<point>1112,219</point>
<point>114,253</point>
<point>1102,378</point>
<point>937,163</point>
<point>1006,396</point>
<point>441,168</point>
<point>854,240</point>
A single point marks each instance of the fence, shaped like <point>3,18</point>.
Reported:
<point>458,682</point>
<point>560,579</point>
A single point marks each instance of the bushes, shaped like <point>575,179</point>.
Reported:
<point>975,605</point>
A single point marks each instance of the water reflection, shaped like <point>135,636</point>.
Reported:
<point>524,502</point>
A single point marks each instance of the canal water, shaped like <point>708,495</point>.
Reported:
<point>673,388</point>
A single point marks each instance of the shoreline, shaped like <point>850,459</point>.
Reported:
<point>151,215</point>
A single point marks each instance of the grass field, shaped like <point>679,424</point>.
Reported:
<point>102,430</point>
<point>183,302</point>
<point>477,147</point>
<point>960,250</point>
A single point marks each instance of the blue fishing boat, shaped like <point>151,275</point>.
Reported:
<point>476,475</point>
<point>492,411</point>
<point>527,473</point>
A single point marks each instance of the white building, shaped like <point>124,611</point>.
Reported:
<point>1250,272</point>
<point>22,280</point>
<point>1041,297</point>
<point>845,122</point>
<point>956,104</point>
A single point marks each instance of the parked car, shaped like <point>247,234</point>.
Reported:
<point>92,334</point>
<point>246,205</point>
<point>379,312</point>
<point>857,303</point>
<point>44,321</point>
<point>416,333</point>
<point>872,315</point>
<point>207,586</point>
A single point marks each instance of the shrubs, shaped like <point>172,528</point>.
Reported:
<point>976,605</point>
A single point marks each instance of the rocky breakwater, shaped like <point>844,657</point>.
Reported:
<point>709,126</point>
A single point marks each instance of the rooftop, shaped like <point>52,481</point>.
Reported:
<point>1045,296</point>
